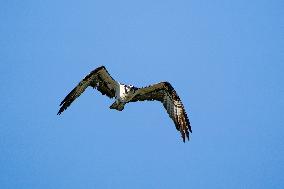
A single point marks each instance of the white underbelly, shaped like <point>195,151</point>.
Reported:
<point>122,95</point>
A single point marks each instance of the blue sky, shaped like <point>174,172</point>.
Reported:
<point>224,58</point>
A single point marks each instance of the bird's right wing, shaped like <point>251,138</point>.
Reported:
<point>99,79</point>
<point>165,93</point>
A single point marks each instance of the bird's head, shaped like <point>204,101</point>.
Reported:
<point>130,88</point>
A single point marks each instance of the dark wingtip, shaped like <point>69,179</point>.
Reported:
<point>187,135</point>
<point>60,109</point>
<point>184,135</point>
<point>61,102</point>
<point>59,112</point>
<point>189,127</point>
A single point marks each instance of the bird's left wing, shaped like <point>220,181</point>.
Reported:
<point>99,79</point>
<point>165,93</point>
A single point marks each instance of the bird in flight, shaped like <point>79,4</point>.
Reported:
<point>123,94</point>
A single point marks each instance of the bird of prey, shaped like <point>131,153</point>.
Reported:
<point>163,92</point>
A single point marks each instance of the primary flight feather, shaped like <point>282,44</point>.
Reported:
<point>163,92</point>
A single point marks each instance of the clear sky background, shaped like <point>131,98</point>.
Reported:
<point>224,58</point>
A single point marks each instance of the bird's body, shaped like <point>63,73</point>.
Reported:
<point>123,94</point>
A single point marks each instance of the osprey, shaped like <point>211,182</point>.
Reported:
<point>163,92</point>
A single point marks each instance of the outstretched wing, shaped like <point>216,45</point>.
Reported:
<point>165,93</point>
<point>98,78</point>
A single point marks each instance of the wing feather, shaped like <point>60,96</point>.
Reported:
<point>98,78</point>
<point>165,93</point>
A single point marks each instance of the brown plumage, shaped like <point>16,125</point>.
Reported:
<point>98,78</point>
<point>163,92</point>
